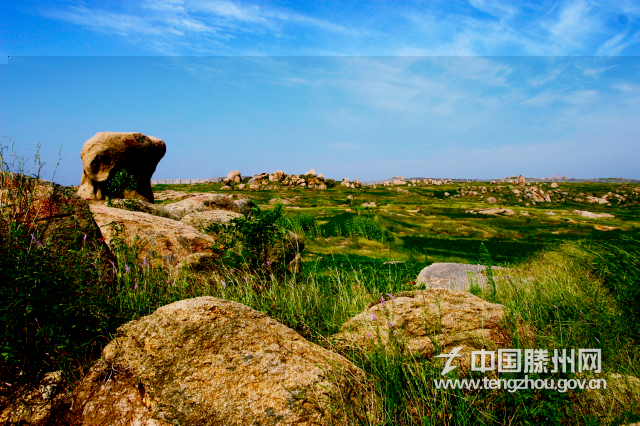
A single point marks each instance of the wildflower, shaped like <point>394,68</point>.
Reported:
<point>555,306</point>
<point>84,239</point>
<point>33,238</point>
<point>596,339</point>
<point>507,276</point>
<point>144,262</point>
<point>127,269</point>
<point>268,263</point>
<point>382,299</point>
<point>391,296</point>
<point>390,324</point>
<point>224,285</point>
<point>368,334</point>
<point>135,287</point>
<point>374,317</point>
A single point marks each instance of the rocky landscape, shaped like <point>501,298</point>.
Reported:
<point>211,361</point>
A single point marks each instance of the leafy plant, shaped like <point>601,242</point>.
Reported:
<point>253,240</point>
<point>118,183</point>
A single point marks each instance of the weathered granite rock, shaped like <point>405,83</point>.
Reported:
<point>208,361</point>
<point>418,318</point>
<point>107,153</point>
<point>159,237</point>
<point>202,202</point>
<point>454,276</point>
<point>55,214</point>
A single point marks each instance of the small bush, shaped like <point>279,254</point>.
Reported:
<point>253,240</point>
<point>120,182</point>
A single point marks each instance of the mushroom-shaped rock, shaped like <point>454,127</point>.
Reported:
<point>234,176</point>
<point>108,153</point>
<point>208,361</point>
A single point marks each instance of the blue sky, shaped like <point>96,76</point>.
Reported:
<point>364,90</point>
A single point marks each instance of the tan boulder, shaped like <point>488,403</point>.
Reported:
<point>554,184</point>
<point>208,361</point>
<point>158,237</point>
<point>418,318</point>
<point>278,174</point>
<point>311,172</point>
<point>107,153</point>
<point>55,214</point>
<point>200,220</point>
<point>454,276</point>
<point>491,200</point>
<point>226,188</point>
<point>232,175</point>
<point>522,181</point>
<point>202,202</point>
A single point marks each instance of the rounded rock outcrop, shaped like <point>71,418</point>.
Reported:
<point>208,361</point>
<point>419,318</point>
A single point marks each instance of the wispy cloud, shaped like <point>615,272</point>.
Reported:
<point>193,24</point>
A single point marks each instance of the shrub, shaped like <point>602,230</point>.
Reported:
<point>118,183</point>
<point>253,240</point>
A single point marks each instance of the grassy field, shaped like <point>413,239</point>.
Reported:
<point>425,225</point>
<point>574,280</point>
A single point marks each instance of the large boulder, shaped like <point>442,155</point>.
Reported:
<point>208,361</point>
<point>201,203</point>
<point>419,318</point>
<point>158,237</point>
<point>234,176</point>
<point>107,153</point>
<point>56,214</point>
<point>454,276</point>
